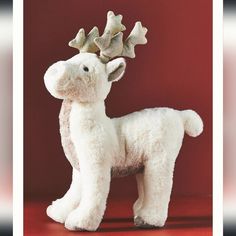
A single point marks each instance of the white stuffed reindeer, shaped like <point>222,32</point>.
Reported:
<point>145,143</point>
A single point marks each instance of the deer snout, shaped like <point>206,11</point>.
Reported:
<point>57,70</point>
<point>54,75</point>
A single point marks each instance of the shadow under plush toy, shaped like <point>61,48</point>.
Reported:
<point>145,143</point>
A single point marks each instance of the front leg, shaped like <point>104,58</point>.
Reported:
<point>60,209</point>
<point>95,188</point>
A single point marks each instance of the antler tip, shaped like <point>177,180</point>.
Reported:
<point>120,17</point>
<point>81,30</point>
<point>123,27</point>
<point>95,28</point>
<point>94,32</point>
<point>72,43</point>
<point>110,13</point>
<point>139,25</point>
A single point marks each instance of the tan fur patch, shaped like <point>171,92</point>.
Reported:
<point>125,171</point>
<point>67,144</point>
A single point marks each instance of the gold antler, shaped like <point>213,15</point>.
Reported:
<point>137,36</point>
<point>111,43</point>
<point>83,43</point>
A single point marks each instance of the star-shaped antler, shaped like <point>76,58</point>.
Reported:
<point>111,43</point>
<point>137,36</point>
<point>83,43</point>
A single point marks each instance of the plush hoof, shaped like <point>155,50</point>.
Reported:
<point>55,214</point>
<point>139,222</point>
<point>78,222</point>
<point>58,211</point>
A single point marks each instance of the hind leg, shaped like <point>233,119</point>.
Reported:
<point>138,204</point>
<point>158,175</point>
<point>60,209</point>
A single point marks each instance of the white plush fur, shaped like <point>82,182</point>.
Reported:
<point>146,142</point>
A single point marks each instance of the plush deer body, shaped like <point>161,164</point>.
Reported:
<point>145,143</point>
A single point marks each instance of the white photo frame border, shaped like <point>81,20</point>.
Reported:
<point>18,117</point>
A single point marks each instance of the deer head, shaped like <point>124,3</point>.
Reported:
<point>87,77</point>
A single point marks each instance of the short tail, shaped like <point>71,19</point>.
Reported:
<point>192,122</point>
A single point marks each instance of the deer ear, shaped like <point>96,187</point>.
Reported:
<point>116,69</point>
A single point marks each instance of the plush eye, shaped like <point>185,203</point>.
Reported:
<point>85,68</point>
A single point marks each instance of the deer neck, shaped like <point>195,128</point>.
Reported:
<point>86,117</point>
<point>77,116</point>
<point>91,111</point>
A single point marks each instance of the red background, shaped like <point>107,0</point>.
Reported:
<point>173,70</point>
